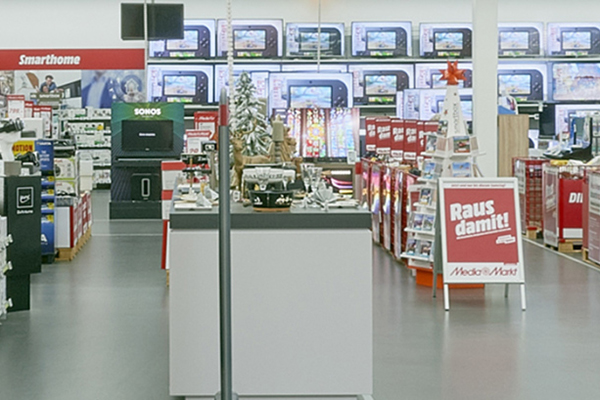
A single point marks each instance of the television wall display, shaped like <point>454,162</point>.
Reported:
<point>252,38</point>
<point>524,81</point>
<point>520,39</point>
<point>176,83</point>
<point>198,42</point>
<point>428,75</point>
<point>304,39</point>
<point>310,90</point>
<point>381,39</point>
<point>378,84</point>
<point>445,40</point>
<point>575,81</point>
<point>573,39</point>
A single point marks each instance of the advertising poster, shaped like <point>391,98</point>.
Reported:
<point>481,240</point>
<point>570,208</point>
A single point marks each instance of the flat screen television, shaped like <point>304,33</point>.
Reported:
<point>310,96</point>
<point>576,40</point>
<point>381,40</point>
<point>448,41</point>
<point>179,85</point>
<point>514,40</point>
<point>576,81</point>
<point>165,21</point>
<point>309,41</point>
<point>445,40</point>
<point>189,41</point>
<point>520,39</point>
<point>515,84</point>
<point>147,136</point>
<point>249,39</point>
<point>381,85</point>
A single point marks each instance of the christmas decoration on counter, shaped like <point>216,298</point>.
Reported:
<point>248,121</point>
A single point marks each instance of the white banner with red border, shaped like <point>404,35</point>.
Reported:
<point>480,230</point>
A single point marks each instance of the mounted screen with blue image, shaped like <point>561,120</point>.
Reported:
<point>381,40</point>
<point>249,39</point>
<point>576,40</point>
<point>514,40</point>
<point>310,96</point>
<point>448,40</point>
<point>309,41</point>
<point>377,85</point>
<point>437,82</point>
<point>179,85</point>
<point>189,41</point>
<point>465,105</point>
<point>576,81</point>
<point>514,84</point>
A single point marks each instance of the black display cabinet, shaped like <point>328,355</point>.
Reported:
<point>21,204</point>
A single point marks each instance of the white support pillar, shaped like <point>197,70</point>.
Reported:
<point>485,83</point>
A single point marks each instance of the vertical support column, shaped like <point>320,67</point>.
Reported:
<point>485,83</point>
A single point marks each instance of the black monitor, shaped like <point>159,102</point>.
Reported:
<point>165,21</point>
<point>147,136</point>
<point>548,121</point>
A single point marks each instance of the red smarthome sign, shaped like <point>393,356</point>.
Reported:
<point>78,59</point>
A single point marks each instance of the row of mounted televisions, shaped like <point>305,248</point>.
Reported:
<point>256,38</point>
<point>342,85</point>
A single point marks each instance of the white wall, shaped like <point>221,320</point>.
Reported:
<point>50,24</point>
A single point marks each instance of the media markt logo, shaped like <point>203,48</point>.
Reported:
<point>484,271</point>
<point>25,200</point>
<point>147,112</point>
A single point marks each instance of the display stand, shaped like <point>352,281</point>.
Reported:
<point>448,152</point>
<point>306,320</point>
<point>91,133</point>
<point>562,206</point>
<point>528,172</point>
<point>591,217</point>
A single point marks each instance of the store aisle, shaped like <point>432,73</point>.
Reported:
<point>98,329</point>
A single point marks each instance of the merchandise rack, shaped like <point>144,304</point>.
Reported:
<point>528,172</point>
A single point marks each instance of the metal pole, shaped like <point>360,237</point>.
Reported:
<point>225,251</point>
<point>319,39</point>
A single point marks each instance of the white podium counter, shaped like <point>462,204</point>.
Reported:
<point>301,304</point>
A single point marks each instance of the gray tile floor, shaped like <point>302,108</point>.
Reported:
<point>98,329</point>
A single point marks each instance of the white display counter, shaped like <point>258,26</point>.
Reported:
<point>301,304</point>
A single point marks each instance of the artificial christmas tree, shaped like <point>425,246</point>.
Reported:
<point>248,122</point>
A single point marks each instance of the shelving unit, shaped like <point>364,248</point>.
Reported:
<point>45,149</point>
<point>5,266</point>
<point>92,138</point>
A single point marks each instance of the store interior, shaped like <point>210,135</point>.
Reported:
<point>300,201</point>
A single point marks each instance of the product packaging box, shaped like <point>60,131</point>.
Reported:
<point>429,128</point>
<point>86,167</point>
<point>371,138</point>
<point>397,151</point>
<point>206,127</point>
<point>384,136</point>
<point>411,140</point>
<point>421,140</point>
<point>67,187</point>
<point>65,168</point>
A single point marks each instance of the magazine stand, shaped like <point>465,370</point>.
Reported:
<point>449,152</point>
